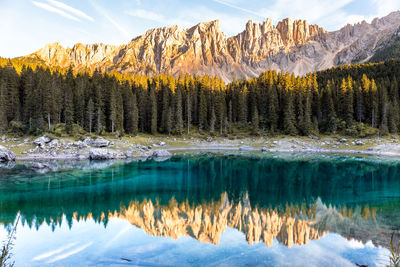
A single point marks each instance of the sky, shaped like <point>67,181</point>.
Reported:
<point>28,25</point>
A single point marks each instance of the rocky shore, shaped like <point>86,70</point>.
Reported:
<point>45,148</point>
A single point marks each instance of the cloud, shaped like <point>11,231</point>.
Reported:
<point>384,7</point>
<point>70,9</point>
<point>145,14</point>
<point>55,10</point>
<point>116,25</point>
<point>312,10</point>
<point>229,4</point>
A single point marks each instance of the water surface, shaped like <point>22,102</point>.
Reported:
<point>204,209</point>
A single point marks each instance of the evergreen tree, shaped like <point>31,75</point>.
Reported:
<point>68,101</point>
<point>288,116</point>
<point>90,114</point>
<point>255,120</point>
<point>153,111</point>
<point>178,111</point>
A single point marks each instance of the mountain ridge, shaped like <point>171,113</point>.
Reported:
<point>290,45</point>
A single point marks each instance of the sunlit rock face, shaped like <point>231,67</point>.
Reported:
<point>291,45</point>
<point>207,222</point>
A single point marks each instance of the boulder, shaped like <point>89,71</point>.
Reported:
<point>209,139</point>
<point>38,165</point>
<point>54,143</point>
<point>79,144</point>
<point>100,142</point>
<point>264,149</point>
<point>359,143</point>
<point>161,153</point>
<point>6,155</point>
<point>41,141</point>
<point>162,144</point>
<point>104,154</point>
<point>343,140</point>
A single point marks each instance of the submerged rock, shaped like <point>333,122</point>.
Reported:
<point>38,165</point>
<point>6,155</point>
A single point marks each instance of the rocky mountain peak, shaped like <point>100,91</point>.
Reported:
<point>291,45</point>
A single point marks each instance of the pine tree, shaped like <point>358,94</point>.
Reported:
<point>242,106</point>
<point>328,109</point>
<point>373,95</point>
<point>213,119</point>
<point>188,112</point>
<point>178,111</point>
<point>202,111</point>
<point>135,116</point>
<point>153,112</point>
<point>255,120</point>
<point>3,101</point>
<point>90,114</point>
<point>288,116</point>
<point>68,101</point>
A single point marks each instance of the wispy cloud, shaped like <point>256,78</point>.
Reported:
<point>55,10</point>
<point>228,4</point>
<point>145,14</point>
<point>70,9</point>
<point>116,25</point>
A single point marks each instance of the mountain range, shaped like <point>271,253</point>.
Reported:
<point>291,45</point>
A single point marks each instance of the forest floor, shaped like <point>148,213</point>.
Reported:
<point>144,145</point>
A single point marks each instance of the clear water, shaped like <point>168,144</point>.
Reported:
<point>206,209</point>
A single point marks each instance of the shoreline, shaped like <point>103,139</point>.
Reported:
<point>42,150</point>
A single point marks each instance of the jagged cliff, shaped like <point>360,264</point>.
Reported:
<point>294,46</point>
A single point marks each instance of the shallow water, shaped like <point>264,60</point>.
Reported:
<point>206,209</point>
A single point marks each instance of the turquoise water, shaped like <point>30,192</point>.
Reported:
<point>205,209</point>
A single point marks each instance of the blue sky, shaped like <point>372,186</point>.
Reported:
<point>27,25</point>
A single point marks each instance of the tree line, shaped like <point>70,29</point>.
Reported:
<point>354,100</point>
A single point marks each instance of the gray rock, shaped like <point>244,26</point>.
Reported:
<point>129,154</point>
<point>100,142</point>
<point>26,140</point>
<point>3,138</point>
<point>161,143</point>
<point>394,137</point>
<point>245,148</point>
<point>359,143</point>
<point>343,140</point>
<point>104,154</point>
<point>87,140</point>
<point>314,137</point>
<point>161,153</point>
<point>41,141</point>
<point>370,149</point>
<point>6,155</point>
<point>38,165</point>
<point>54,143</point>
<point>79,144</point>
<point>264,149</point>
<point>209,139</point>
<point>335,146</point>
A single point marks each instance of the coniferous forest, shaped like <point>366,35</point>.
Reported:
<point>356,100</point>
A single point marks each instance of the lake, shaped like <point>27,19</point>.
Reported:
<point>204,209</point>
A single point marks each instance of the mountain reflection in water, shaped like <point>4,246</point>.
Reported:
<point>267,198</point>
